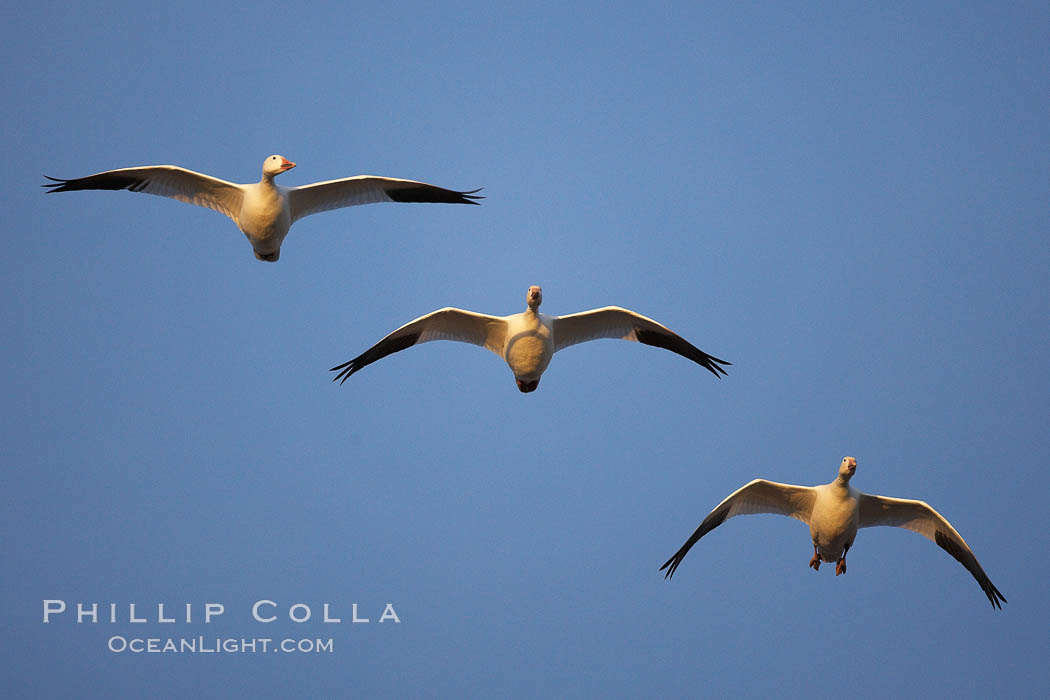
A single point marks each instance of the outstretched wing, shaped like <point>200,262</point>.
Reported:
<point>369,189</point>
<point>164,181</point>
<point>759,496</point>
<point>624,324</point>
<point>443,324</point>
<point>920,517</point>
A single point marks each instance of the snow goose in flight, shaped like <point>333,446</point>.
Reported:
<point>528,340</point>
<point>263,211</point>
<point>834,512</point>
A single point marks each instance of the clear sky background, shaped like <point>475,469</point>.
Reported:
<point>848,202</point>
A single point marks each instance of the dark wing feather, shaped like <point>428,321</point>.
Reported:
<point>430,193</point>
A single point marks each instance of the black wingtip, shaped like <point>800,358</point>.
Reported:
<point>671,341</point>
<point>948,544</point>
<point>434,194</point>
<point>55,185</point>
<point>671,565</point>
<point>715,365</point>
<point>345,370</point>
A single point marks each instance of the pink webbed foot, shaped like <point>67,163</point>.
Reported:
<point>840,568</point>
<point>814,563</point>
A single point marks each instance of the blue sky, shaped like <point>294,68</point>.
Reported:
<point>847,202</point>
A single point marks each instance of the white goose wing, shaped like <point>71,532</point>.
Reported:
<point>919,517</point>
<point>624,324</point>
<point>368,189</point>
<point>164,181</point>
<point>443,324</point>
<point>759,496</point>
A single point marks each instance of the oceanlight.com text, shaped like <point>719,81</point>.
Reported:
<point>217,645</point>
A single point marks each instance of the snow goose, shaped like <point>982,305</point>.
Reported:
<point>528,340</point>
<point>834,512</point>
<point>263,211</point>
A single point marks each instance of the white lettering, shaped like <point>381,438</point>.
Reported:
<point>356,618</point>
<point>389,614</point>
<point>327,618</point>
<point>291,612</point>
<point>131,615</point>
<point>213,610</point>
<point>82,613</point>
<point>255,610</point>
<point>160,614</point>
<point>123,643</point>
<point>50,608</point>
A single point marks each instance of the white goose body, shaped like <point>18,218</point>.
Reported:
<point>528,344</point>
<point>265,218</point>
<point>834,513</point>
<point>528,340</point>
<point>834,519</point>
<point>264,211</point>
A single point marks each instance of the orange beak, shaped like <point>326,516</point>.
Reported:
<point>286,164</point>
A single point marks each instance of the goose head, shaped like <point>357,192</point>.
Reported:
<point>534,297</point>
<point>847,468</point>
<point>275,165</point>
